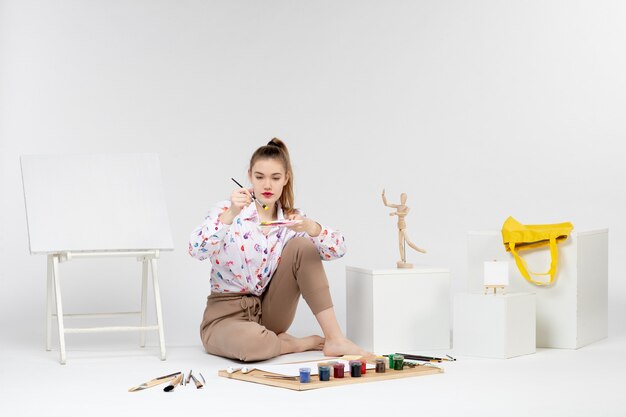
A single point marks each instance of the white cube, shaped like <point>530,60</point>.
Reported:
<point>396,310</point>
<point>574,311</point>
<point>497,326</point>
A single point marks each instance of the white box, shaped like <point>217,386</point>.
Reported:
<point>494,326</point>
<point>396,310</point>
<point>574,311</point>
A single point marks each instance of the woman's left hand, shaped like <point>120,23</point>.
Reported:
<point>312,228</point>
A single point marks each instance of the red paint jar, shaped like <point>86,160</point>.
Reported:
<point>338,370</point>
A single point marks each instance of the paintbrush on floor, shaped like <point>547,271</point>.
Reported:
<point>174,383</point>
<point>153,382</point>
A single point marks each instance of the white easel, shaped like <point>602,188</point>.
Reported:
<point>96,206</point>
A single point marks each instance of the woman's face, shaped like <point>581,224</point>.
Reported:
<point>268,177</point>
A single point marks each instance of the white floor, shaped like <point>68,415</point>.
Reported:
<point>95,380</point>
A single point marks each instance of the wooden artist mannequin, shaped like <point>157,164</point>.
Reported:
<point>401,211</point>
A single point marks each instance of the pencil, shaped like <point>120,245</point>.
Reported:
<point>253,196</point>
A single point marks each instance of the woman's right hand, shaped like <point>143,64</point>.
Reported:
<point>239,199</point>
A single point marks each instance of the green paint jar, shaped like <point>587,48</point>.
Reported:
<point>398,362</point>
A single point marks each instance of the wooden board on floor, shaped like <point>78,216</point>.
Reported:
<point>258,377</point>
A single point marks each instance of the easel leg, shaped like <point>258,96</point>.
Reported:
<point>144,299</point>
<point>57,296</point>
<point>49,296</point>
<point>157,303</point>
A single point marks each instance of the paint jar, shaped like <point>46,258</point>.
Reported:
<point>305,375</point>
<point>338,370</point>
<point>363,366</point>
<point>324,373</point>
<point>380,366</point>
<point>398,362</point>
<point>392,362</point>
<point>355,369</point>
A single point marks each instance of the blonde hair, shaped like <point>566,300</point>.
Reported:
<point>276,149</point>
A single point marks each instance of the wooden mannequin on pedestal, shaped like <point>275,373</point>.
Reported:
<point>403,239</point>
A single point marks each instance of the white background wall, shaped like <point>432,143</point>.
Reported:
<point>478,110</point>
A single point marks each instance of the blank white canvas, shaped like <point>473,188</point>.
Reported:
<point>97,202</point>
<point>496,273</point>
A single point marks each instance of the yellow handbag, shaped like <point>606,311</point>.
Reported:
<point>518,237</point>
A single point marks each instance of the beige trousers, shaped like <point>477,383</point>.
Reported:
<point>245,326</point>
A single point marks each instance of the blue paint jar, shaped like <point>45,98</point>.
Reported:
<point>305,375</point>
<point>324,373</point>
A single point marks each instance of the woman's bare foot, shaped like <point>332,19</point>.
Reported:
<point>292,344</point>
<point>343,346</point>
